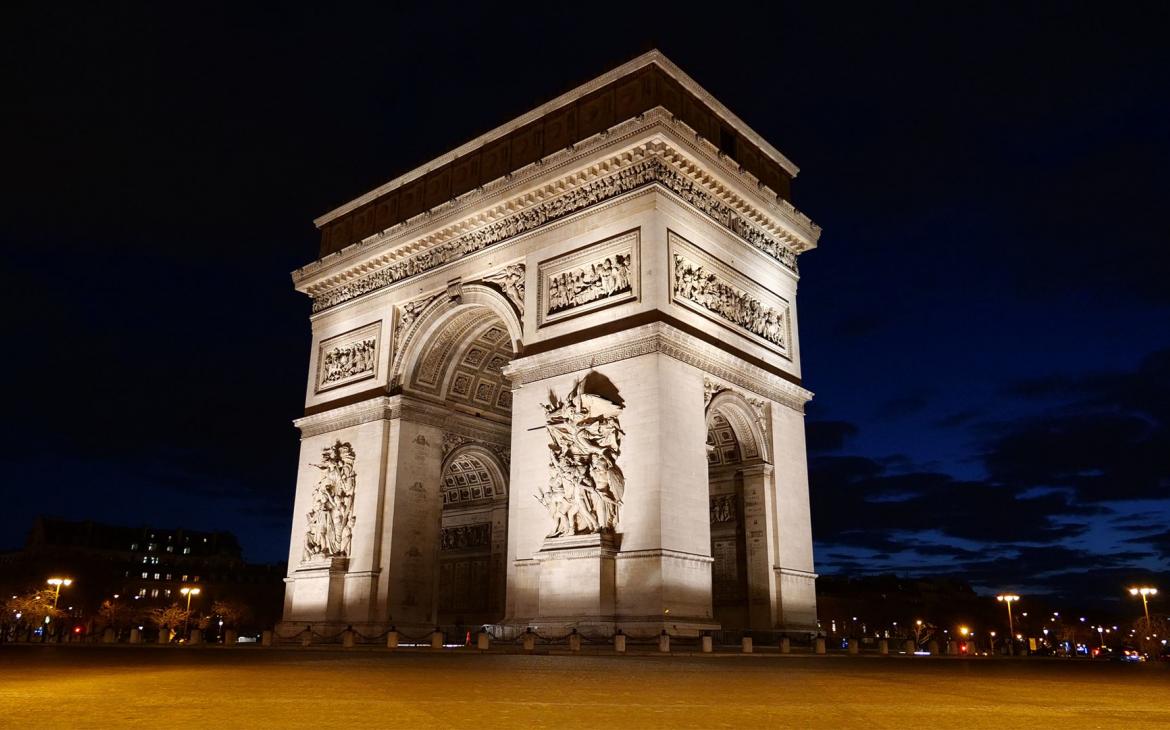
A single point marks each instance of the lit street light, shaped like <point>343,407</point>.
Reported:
<point>57,583</point>
<point>188,592</point>
<point>1145,592</point>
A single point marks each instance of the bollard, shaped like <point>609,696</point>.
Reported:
<point>854,646</point>
<point>785,645</point>
<point>230,637</point>
<point>108,636</point>
<point>932,647</point>
<point>196,637</point>
<point>164,636</point>
<point>883,646</point>
<point>909,646</point>
<point>135,636</point>
<point>307,637</point>
<point>664,642</point>
<point>820,644</point>
<point>574,641</point>
<point>266,637</point>
<point>483,641</point>
<point>392,640</point>
<point>619,643</point>
<point>745,645</point>
<point>436,639</point>
<point>952,648</point>
<point>707,642</point>
<point>529,641</point>
<point>347,638</point>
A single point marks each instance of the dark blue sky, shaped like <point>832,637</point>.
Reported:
<point>985,322</point>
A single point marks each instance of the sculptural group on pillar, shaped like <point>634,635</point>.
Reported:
<point>331,518</point>
<point>585,488</point>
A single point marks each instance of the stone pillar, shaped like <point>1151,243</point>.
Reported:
<point>952,648</point>
<point>820,645</point>
<point>230,637</point>
<point>909,646</point>
<point>574,641</point>
<point>196,637</point>
<point>707,643</point>
<point>883,646</point>
<point>483,641</point>
<point>757,506</point>
<point>529,641</point>
<point>932,647</point>
<point>135,636</point>
<point>746,645</point>
<point>108,636</point>
<point>619,643</point>
<point>347,638</point>
<point>392,640</point>
<point>664,642</point>
<point>307,637</point>
<point>785,645</point>
<point>266,637</point>
<point>854,646</point>
<point>164,635</point>
<point>436,639</point>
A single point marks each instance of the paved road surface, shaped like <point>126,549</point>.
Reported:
<point>205,688</point>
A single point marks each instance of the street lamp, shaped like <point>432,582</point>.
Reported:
<point>1008,599</point>
<point>57,583</point>
<point>188,592</point>
<point>1145,592</point>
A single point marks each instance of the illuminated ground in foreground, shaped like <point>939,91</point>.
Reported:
<point>82,686</point>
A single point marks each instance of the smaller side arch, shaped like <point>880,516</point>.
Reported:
<point>479,454</point>
<point>742,417</point>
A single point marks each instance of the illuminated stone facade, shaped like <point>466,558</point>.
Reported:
<point>567,392</point>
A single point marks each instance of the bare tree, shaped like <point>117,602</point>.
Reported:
<point>32,608</point>
<point>231,613</point>
<point>169,618</point>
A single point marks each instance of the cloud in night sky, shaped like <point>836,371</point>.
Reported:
<point>1074,494</point>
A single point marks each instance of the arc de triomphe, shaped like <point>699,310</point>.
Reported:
<point>555,380</point>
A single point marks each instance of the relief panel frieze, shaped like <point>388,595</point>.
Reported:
<point>600,275</point>
<point>348,357</point>
<point>705,285</point>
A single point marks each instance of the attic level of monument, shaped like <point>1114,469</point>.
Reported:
<point>644,83</point>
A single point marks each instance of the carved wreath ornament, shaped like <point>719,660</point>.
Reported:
<point>585,486</point>
<point>331,518</point>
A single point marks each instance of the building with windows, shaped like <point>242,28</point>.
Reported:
<point>145,564</point>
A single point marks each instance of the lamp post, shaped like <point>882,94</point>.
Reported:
<point>1008,599</point>
<point>188,592</point>
<point>1145,592</point>
<point>57,583</point>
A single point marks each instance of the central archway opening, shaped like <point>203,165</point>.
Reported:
<point>460,351</point>
<point>729,588</point>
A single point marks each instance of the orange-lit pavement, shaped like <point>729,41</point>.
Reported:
<point>94,686</point>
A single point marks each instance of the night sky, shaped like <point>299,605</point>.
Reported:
<point>986,323</point>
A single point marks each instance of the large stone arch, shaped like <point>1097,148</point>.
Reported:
<point>413,341</point>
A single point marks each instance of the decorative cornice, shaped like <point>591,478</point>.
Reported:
<point>651,338</point>
<point>765,222</point>
<point>407,407</point>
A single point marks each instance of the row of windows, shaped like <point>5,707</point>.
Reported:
<point>169,576</point>
<point>152,546</point>
<point>154,592</point>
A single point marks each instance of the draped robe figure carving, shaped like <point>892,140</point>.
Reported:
<point>586,486</point>
<point>331,519</point>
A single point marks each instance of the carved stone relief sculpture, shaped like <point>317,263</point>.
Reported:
<point>709,288</point>
<point>722,508</point>
<point>510,280</point>
<point>465,537</point>
<point>331,518</point>
<point>599,275</point>
<point>348,357</point>
<point>586,486</point>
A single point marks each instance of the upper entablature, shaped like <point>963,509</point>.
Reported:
<point>648,82</point>
<point>653,149</point>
